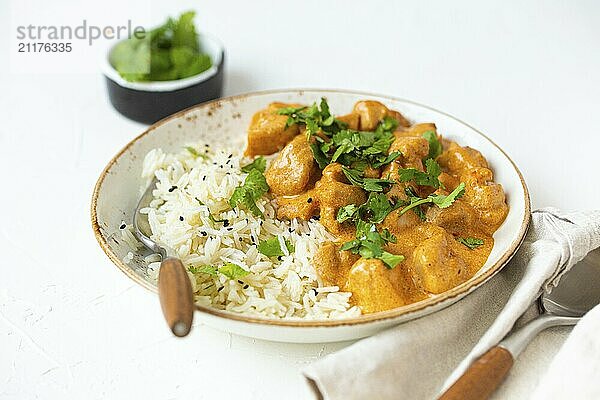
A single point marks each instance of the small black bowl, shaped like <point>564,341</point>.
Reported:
<point>148,102</point>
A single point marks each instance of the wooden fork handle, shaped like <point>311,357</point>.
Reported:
<point>483,376</point>
<point>176,297</point>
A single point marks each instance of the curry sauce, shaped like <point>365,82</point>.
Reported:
<point>433,246</point>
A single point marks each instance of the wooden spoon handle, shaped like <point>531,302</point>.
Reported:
<point>176,297</point>
<point>483,376</point>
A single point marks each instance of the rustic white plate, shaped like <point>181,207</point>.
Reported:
<point>225,121</point>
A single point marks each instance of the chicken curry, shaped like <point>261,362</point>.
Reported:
<point>413,213</point>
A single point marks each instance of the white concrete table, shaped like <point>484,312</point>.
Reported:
<point>73,326</point>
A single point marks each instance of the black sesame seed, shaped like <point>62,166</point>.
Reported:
<point>181,218</point>
<point>221,166</point>
<point>240,282</point>
<point>214,163</point>
<point>240,239</point>
<point>204,233</point>
<point>246,286</point>
<point>280,258</point>
<point>290,230</point>
<point>204,178</point>
<point>229,229</point>
<point>207,145</point>
<point>225,222</point>
<point>172,188</point>
<point>309,200</point>
<point>123,226</point>
<point>221,288</point>
<point>229,156</point>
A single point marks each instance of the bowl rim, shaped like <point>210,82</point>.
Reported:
<point>381,316</point>
<point>217,56</point>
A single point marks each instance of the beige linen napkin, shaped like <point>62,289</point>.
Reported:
<point>415,360</point>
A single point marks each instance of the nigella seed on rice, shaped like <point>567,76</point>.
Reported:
<point>270,287</point>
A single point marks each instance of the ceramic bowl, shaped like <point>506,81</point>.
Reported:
<point>148,102</point>
<point>225,121</point>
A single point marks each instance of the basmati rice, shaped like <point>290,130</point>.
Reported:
<point>190,200</point>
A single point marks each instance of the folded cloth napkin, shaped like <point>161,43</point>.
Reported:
<point>415,360</point>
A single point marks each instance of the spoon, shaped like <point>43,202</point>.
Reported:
<point>577,293</point>
<point>174,287</point>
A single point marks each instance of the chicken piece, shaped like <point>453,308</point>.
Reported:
<point>334,191</point>
<point>303,206</point>
<point>457,219</point>
<point>448,181</point>
<point>267,133</point>
<point>412,150</point>
<point>372,290</point>
<point>372,112</point>
<point>332,265</point>
<point>486,197</point>
<point>291,172</point>
<point>417,130</point>
<point>352,119</point>
<point>456,159</point>
<point>396,223</point>
<point>437,265</point>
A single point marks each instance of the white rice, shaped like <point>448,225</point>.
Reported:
<point>190,188</point>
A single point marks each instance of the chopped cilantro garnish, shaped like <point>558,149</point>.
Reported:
<point>336,143</point>
<point>195,152</point>
<point>316,118</point>
<point>428,178</point>
<point>230,270</point>
<point>369,244</point>
<point>259,163</point>
<point>233,271</point>
<point>254,187</point>
<point>471,242</point>
<point>345,213</point>
<point>272,247</point>
<point>168,52</point>
<point>356,178</point>
<point>435,147</point>
<point>439,200</point>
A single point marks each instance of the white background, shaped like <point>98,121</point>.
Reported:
<point>73,326</point>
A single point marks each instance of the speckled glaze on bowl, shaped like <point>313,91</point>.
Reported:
<point>225,121</point>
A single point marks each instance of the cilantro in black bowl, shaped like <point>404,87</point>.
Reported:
<point>164,70</point>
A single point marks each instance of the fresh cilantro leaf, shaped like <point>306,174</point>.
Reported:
<point>356,178</point>
<point>243,197</point>
<point>195,152</point>
<point>192,151</point>
<point>233,271</point>
<point>205,269</point>
<point>345,213</point>
<point>168,52</point>
<point>316,118</point>
<point>391,260</point>
<point>439,200</point>
<point>259,163</point>
<point>319,155</point>
<point>272,247</point>
<point>384,160</point>
<point>435,147</point>
<point>387,125</point>
<point>428,178</point>
<point>369,243</point>
<point>470,242</point>
<point>446,201</point>
<point>254,187</point>
<point>377,207</point>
